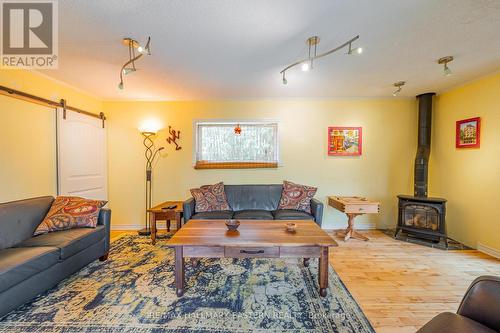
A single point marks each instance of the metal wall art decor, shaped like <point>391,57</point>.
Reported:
<point>468,133</point>
<point>174,135</point>
<point>345,141</point>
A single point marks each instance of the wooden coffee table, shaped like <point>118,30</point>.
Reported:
<point>253,239</point>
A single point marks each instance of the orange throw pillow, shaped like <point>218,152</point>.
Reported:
<point>70,212</point>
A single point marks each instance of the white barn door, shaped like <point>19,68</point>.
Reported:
<point>81,156</point>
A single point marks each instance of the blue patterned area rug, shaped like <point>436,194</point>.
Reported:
<point>133,292</point>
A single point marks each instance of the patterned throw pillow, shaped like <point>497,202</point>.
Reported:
<point>70,212</point>
<point>296,197</point>
<point>209,198</point>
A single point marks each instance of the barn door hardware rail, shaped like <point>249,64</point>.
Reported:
<point>47,102</point>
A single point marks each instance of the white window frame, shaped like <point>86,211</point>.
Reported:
<point>200,122</point>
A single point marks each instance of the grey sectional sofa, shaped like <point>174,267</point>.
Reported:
<point>254,202</point>
<point>30,265</point>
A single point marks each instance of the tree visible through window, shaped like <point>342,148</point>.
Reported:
<point>236,145</point>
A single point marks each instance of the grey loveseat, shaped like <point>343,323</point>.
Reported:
<point>254,202</point>
<point>30,265</point>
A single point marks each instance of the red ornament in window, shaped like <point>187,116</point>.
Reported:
<point>237,129</point>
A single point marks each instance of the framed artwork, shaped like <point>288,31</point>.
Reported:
<point>345,141</point>
<point>468,133</point>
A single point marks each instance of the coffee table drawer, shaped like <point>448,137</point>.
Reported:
<point>251,252</point>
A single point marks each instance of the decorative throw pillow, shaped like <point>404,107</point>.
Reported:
<point>298,197</point>
<point>70,212</point>
<point>210,198</point>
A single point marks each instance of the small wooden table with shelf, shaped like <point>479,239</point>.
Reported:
<point>160,213</point>
<point>352,207</point>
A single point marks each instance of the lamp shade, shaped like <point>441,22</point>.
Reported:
<point>150,126</point>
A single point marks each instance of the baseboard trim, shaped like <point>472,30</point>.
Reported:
<point>127,227</point>
<point>488,250</point>
<point>360,225</point>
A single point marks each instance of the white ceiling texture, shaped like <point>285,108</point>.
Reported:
<point>235,49</point>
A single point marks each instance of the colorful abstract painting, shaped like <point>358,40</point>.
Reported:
<point>345,141</point>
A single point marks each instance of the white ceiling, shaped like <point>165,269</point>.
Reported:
<point>231,49</point>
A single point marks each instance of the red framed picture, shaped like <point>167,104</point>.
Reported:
<point>468,133</point>
<point>345,141</point>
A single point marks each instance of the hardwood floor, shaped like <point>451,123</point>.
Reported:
<point>400,286</point>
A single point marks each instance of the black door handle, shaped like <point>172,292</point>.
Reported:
<point>252,251</point>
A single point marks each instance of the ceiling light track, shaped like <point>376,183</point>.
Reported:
<point>312,42</point>
<point>129,66</point>
<point>399,86</point>
<point>444,61</point>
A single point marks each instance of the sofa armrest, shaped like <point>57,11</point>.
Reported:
<point>317,210</point>
<point>481,302</point>
<point>105,220</point>
<point>188,207</point>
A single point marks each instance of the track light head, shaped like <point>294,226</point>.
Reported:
<point>447,71</point>
<point>285,81</point>
<point>127,71</point>
<point>399,85</point>
<point>444,61</point>
<point>305,67</point>
<point>120,86</point>
<point>356,50</point>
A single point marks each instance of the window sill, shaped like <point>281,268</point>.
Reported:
<point>235,165</point>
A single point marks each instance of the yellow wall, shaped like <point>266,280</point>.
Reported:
<point>469,178</point>
<point>384,170</point>
<point>27,134</point>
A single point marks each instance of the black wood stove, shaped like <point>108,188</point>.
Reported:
<point>420,216</point>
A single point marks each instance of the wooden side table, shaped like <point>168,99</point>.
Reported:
<point>352,207</point>
<point>160,213</point>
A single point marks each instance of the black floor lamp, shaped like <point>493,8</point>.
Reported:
<point>150,155</point>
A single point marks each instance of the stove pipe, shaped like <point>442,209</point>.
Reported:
<point>424,144</point>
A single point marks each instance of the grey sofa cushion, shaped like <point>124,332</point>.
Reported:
<point>218,215</point>
<point>19,219</point>
<point>253,214</point>
<point>18,264</point>
<point>69,242</point>
<point>243,197</point>
<point>291,214</point>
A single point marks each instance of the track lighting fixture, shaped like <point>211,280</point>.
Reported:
<point>444,61</point>
<point>357,50</point>
<point>312,43</point>
<point>285,81</point>
<point>128,70</point>
<point>399,85</point>
<point>133,46</point>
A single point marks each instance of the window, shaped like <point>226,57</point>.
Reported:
<point>219,146</point>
